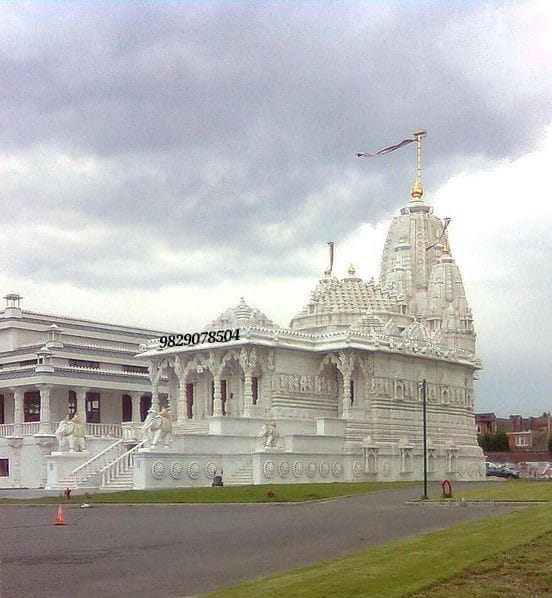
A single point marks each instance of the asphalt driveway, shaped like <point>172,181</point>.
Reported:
<point>185,550</point>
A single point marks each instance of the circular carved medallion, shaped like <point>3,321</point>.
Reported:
<point>193,470</point>
<point>386,468</point>
<point>311,469</point>
<point>324,469</point>
<point>357,469</point>
<point>177,470</point>
<point>158,470</point>
<point>297,469</point>
<point>283,469</point>
<point>210,469</point>
<point>269,469</point>
<point>337,469</point>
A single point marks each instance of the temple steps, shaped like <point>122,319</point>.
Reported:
<point>124,481</point>
<point>242,477</point>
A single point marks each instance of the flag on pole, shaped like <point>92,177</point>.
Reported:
<point>385,150</point>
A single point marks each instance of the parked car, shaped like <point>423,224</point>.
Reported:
<point>502,471</point>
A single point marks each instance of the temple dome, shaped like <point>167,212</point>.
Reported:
<point>338,304</point>
<point>241,316</point>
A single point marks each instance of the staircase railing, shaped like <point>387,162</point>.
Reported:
<point>89,468</point>
<point>119,466</point>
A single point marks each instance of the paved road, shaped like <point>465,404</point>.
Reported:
<point>185,550</point>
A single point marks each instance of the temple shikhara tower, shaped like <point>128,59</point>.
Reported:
<point>333,396</point>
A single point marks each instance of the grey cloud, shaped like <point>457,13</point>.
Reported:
<point>277,98</point>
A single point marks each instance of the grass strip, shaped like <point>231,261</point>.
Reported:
<point>406,566</point>
<point>234,494</point>
<point>514,490</point>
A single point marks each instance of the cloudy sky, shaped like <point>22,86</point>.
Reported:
<point>160,160</point>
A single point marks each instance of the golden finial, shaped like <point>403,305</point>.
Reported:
<point>351,270</point>
<point>417,189</point>
<point>328,272</point>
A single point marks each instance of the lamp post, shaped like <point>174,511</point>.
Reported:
<point>423,387</point>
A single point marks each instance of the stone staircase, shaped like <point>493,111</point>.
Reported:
<point>124,481</point>
<point>119,474</point>
<point>242,477</point>
<point>84,475</point>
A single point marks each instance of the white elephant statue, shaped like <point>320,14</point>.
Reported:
<point>158,427</point>
<point>71,432</point>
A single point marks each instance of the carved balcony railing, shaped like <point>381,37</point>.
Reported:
<point>7,430</point>
<point>132,431</point>
<point>104,430</point>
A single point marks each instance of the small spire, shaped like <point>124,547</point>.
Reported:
<point>417,189</point>
<point>351,270</point>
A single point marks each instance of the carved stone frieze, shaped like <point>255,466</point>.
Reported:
<point>291,384</point>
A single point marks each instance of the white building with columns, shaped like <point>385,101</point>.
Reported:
<point>340,384</point>
<point>55,366</point>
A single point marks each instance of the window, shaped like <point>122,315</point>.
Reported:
<point>2,409</point>
<point>135,369</point>
<point>352,387</point>
<point>93,407</point>
<point>72,403</point>
<point>255,387</point>
<point>126,408</point>
<point>522,440</point>
<point>81,363</point>
<point>145,404</point>
<point>190,400</point>
<point>4,468</point>
<point>223,395</point>
<point>31,406</point>
<point>27,362</point>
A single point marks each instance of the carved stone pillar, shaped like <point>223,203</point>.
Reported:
<point>81,403</point>
<point>216,364</point>
<point>18,415</point>
<point>45,417</point>
<point>346,365</point>
<point>217,396</point>
<point>182,403</point>
<point>346,405</point>
<point>154,396</point>
<point>153,371</point>
<point>248,361</point>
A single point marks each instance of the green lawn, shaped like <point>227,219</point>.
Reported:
<point>246,494</point>
<point>522,571</point>
<point>413,565</point>
<point>522,490</point>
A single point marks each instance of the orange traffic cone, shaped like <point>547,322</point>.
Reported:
<point>60,520</point>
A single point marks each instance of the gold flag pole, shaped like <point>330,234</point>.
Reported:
<point>417,189</point>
